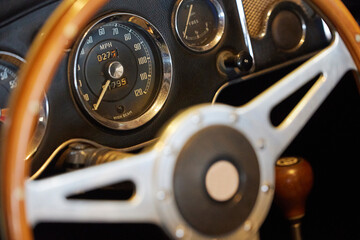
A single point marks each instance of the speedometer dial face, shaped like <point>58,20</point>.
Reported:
<point>122,71</point>
<point>199,24</point>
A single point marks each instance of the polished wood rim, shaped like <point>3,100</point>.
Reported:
<point>340,17</point>
<point>43,59</point>
<point>45,55</point>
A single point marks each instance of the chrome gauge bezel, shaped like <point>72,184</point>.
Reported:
<point>220,28</point>
<point>40,129</point>
<point>164,83</point>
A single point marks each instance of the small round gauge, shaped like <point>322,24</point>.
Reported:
<point>121,71</point>
<point>9,65</point>
<point>199,24</point>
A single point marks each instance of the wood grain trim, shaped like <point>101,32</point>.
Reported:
<point>340,17</point>
<point>43,59</point>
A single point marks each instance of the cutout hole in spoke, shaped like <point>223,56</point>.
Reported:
<point>283,109</point>
<point>91,231</point>
<point>119,191</point>
<point>240,93</point>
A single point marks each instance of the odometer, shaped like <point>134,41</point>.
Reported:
<point>107,55</point>
<point>122,71</point>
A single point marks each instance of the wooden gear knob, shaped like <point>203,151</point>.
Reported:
<point>294,180</point>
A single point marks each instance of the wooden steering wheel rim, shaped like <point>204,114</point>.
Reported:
<point>43,59</point>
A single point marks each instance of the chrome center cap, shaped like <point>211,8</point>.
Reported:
<point>222,181</point>
<point>116,70</point>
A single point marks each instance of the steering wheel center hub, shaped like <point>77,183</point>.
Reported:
<point>209,176</point>
<point>222,181</point>
<point>206,185</point>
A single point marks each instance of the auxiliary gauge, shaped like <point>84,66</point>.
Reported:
<point>121,71</point>
<point>9,66</point>
<point>199,24</point>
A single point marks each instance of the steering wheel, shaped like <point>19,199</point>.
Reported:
<point>172,190</point>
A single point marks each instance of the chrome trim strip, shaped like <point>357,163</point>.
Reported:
<point>247,39</point>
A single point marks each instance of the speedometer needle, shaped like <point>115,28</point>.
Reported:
<point>187,22</point>
<point>104,88</point>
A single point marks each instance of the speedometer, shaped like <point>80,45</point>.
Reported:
<point>121,71</point>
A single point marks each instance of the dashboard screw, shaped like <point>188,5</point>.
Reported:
<point>170,151</point>
<point>167,151</point>
<point>162,195</point>
<point>196,119</point>
<point>261,143</point>
<point>248,226</point>
<point>265,188</point>
<point>180,232</point>
<point>233,117</point>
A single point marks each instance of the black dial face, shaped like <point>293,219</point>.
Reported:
<point>119,71</point>
<point>199,24</point>
<point>7,83</point>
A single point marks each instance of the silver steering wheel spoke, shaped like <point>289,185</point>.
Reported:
<point>47,199</point>
<point>328,66</point>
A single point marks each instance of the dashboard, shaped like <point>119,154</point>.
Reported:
<point>167,72</point>
<point>138,63</point>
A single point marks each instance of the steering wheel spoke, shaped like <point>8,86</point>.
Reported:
<point>328,66</point>
<point>47,199</point>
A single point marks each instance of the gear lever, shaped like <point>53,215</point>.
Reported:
<point>294,180</point>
